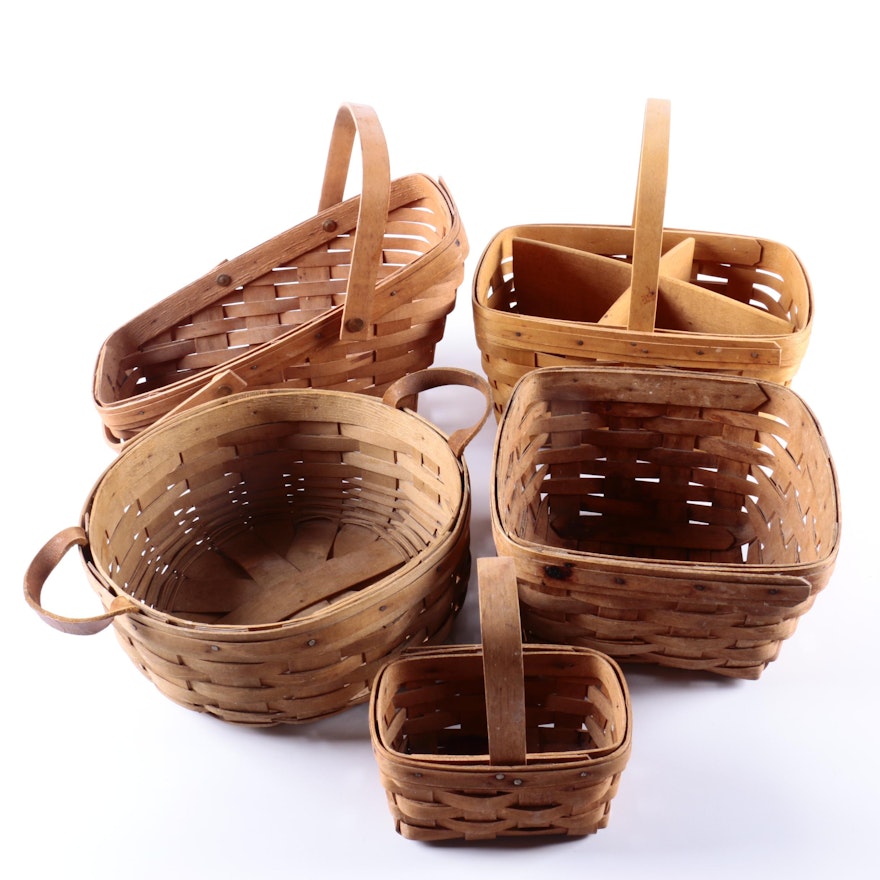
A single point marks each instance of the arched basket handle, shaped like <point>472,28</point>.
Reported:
<point>648,215</point>
<point>360,120</point>
<point>503,671</point>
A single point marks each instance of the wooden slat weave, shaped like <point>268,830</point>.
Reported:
<point>431,722</point>
<point>560,295</point>
<point>279,315</point>
<point>664,516</point>
<point>262,555</point>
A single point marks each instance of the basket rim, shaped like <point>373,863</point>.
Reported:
<point>109,406</point>
<point>479,765</point>
<point>384,588</point>
<point>734,570</point>
<point>486,265</point>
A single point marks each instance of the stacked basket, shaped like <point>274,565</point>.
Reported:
<point>666,496</point>
<point>279,520</point>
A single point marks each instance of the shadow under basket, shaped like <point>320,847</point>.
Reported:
<point>664,516</point>
<point>500,740</point>
<point>261,556</point>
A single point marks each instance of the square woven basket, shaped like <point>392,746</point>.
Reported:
<point>664,516</point>
<point>261,556</point>
<point>351,299</point>
<point>500,740</point>
<point>640,295</point>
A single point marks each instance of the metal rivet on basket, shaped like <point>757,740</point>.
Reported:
<point>700,351</point>
<point>354,325</point>
<point>499,776</point>
<point>330,226</point>
<point>754,354</point>
<point>312,642</point>
<point>215,647</point>
<point>224,280</point>
<point>224,390</point>
<point>517,781</point>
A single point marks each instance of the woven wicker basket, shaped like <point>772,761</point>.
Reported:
<point>507,740</point>
<point>562,295</point>
<point>664,516</point>
<point>261,556</point>
<point>351,299</point>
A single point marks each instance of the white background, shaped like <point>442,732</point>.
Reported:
<point>145,143</point>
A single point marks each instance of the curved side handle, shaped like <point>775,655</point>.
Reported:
<point>503,671</point>
<point>360,120</point>
<point>44,564</point>
<point>648,215</point>
<point>402,394</point>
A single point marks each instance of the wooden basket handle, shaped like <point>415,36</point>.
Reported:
<point>503,671</point>
<point>648,215</point>
<point>44,564</point>
<point>361,121</point>
<point>403,394</point>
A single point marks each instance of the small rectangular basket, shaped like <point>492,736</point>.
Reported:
<point>351,299</point>
<point>640,295</point>
<point>664,516</point>
<point>503,740</point>
<point>262,555</point>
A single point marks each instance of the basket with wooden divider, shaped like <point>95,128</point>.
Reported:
<point>641,295</point>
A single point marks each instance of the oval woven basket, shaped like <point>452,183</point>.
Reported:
<point>351,299</point>
<point>563,295</point>
<point>504,739</point>
<point>261,556</point>
<point>664,516</point>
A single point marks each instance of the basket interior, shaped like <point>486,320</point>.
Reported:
<point>661,465</point>
<point>268,494</point>
<point>305,284</point>
<point>435,705</point>
<point>762,274</point>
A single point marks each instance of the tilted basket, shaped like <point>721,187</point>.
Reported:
<point>664,516</point>
<point>351,299</point>
<point>639,295</point>
<point>503,740</point>
<point>262,555</point>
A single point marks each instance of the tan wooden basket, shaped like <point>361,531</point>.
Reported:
<point>664,516</point>
<point>261,556</point>
<point>640,295</point>
<point>351,299</point>
<point>503,740</point>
